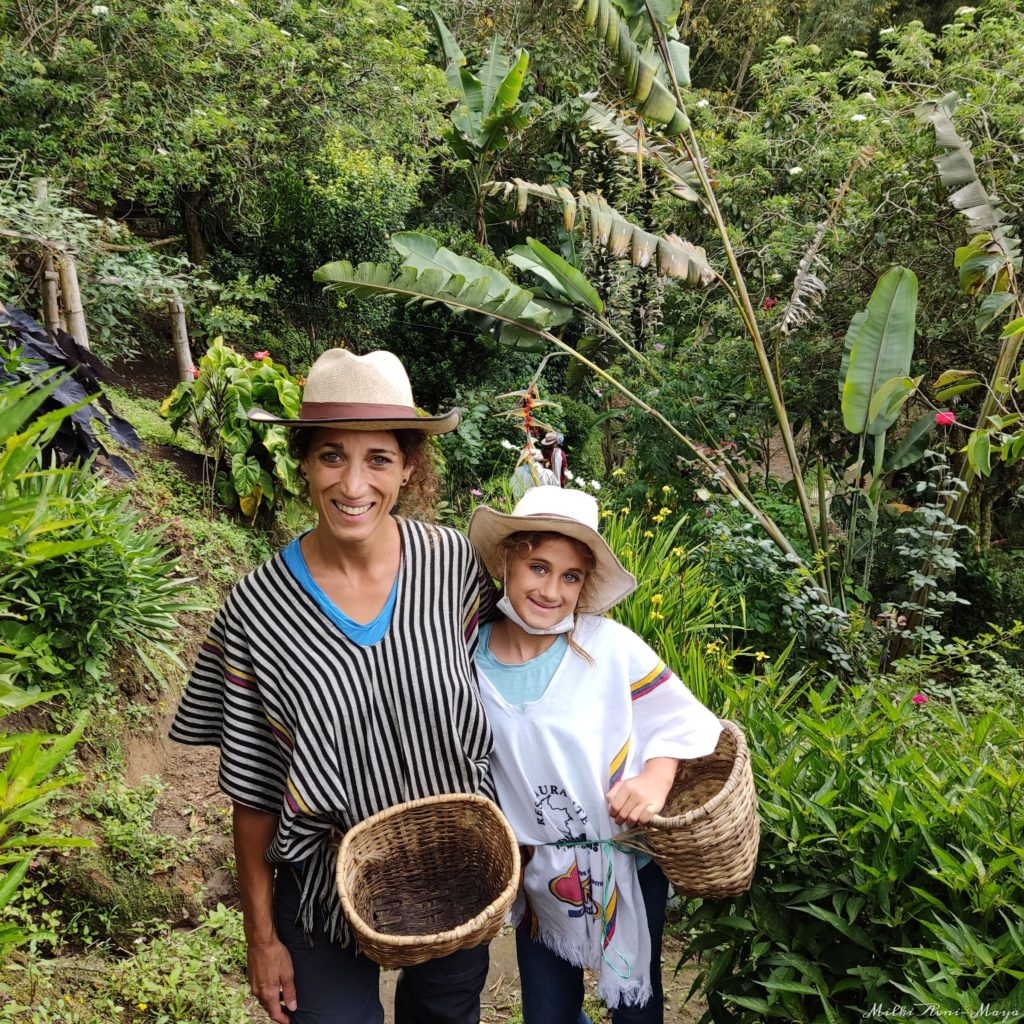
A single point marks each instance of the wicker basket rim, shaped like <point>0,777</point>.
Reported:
<point>433,938</point>
<point>728,787</point>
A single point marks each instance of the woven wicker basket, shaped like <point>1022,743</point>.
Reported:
<point>706,838</point>
<point>425,878</point>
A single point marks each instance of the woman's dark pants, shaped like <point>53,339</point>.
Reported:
<point>335,986</point>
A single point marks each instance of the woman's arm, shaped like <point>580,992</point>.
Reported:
<point>271,978</point>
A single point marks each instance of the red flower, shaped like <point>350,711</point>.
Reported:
<point>919,698</point>
<point>195,372</point>
<point>770,303</point>
<point>261,355</point>
<point>945,419</point>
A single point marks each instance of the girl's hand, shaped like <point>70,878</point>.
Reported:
<point>635,801</point>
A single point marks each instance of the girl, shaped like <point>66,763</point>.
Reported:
<point>589,725</point>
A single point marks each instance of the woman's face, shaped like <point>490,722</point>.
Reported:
<point>354,480</point>
<point>545,586</point>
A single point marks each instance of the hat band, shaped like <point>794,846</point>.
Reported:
<point>355,411</point>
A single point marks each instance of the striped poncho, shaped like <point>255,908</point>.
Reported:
<point>324,732</point>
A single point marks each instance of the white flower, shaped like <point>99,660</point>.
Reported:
<point>569,475</point>
<point>963,12</point>
<point>886,31</point>
<point>785,41</point>
<point>703,103</point>
<point>867,96</point>
<point>100,11</point>
<point>595,485</point>
<point>507,444</point>
<point>794,171</point>
<point>859,117</point>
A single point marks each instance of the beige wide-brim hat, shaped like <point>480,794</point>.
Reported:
<point>351,392</point>
<point>554,510</point>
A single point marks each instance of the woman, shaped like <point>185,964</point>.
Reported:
<point>589,726</point>
<point>338,680</point>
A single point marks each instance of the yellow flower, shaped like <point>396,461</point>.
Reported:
<point>624,510</point>
<point>666,489</point>
<point>606,513</point>
<point>656,600</point>
<point>657,616</point>
<point>658,519</point>
<point>664,512</point>
<point>648,533</point>
<point>677,552</point>
<point>143,1006</point>
<point>713,647</point>
<point>618,472</point>
<point>761,656</point>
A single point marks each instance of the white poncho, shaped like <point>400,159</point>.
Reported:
<point>553,763</point>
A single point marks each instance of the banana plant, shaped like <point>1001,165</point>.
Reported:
<point>874,385</point>
<point>488,111</point>
<point>493,302</point>
<point>652,77</point>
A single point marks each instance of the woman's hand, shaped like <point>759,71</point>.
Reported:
<point>635,801</point>
<point>271,978</point>
<point>271,975</point>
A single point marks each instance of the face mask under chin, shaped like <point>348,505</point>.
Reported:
<point>564,625</point>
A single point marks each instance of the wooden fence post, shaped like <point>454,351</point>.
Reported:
<point>47,273</point>
<point>179,338</point>
<point>72,295</point>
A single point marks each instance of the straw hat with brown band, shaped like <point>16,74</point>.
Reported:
<point>351,392</point>
<point>554,510</point>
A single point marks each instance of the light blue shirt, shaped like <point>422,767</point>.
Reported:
<point>520,685</point>
<point>366,634</point>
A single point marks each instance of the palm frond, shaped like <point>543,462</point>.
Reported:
<point>672,256</point>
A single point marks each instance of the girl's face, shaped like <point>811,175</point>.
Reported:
<point>354,479</point>
<point>545,586</point>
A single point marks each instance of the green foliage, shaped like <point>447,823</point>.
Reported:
<point>174,977</point>
<point>32,773</point>
<point>253,469</point>
<point>890,870</point>
<point>677,606</point>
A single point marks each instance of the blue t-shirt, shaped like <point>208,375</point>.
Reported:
<point>366,634</point>
<point>522,684</point>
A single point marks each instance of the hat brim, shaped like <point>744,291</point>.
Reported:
<point>443,423</point>
<point>487,529</point>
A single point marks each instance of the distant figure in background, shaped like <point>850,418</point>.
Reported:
<point>554,456</point>
<point>531,472</point>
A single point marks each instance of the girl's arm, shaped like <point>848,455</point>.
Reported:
<point>271,978</point>
<point>635,801</point>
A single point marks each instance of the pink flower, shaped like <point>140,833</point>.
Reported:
<point>476,492</point>
<point>658,347</point>
<point>770,303</point>
<point>945,419</point>
<point>195,373</point>
<point>261,355</point>
<point>919,698</point>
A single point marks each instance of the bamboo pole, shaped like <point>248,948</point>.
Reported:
<point>72,295</point>
<point>47,274</point>
<point>179,339</point>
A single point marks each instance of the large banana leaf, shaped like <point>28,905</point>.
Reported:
<point>672,256</point>
<point>880,351</point>
<point>566,281</point>
<point>486,298</point>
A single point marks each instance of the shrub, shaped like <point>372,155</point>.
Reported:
<point>891,872</point>
<point>252,466</point>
